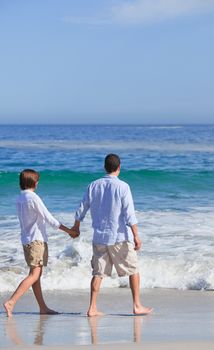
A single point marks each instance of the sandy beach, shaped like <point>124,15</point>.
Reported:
<point>181,319</point>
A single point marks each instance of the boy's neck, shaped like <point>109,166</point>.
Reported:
<point>31,189</point>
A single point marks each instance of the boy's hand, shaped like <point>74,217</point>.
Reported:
<point>74,233</point>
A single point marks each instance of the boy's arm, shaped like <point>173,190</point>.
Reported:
<point>48,217</point>
<point>44,212</point>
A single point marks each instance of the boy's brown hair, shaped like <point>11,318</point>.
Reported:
<point>28,179</point>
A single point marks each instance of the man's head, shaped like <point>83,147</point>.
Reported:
<point>28,179</point>
<point>112,163</point>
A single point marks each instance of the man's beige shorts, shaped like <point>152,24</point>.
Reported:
<point>36,253</point>
<point>121,255</point>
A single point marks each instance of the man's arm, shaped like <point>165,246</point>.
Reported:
<point>128,208</point>
<point>81,212</point>
<point>129,215</point>
<point>137,240</point>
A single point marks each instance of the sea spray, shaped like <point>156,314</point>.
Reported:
<point>177,253</point>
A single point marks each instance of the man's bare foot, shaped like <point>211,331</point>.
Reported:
<point>142,310</point>
<point>92,313</point>
<point>48,312</point>
<point>8,305</point>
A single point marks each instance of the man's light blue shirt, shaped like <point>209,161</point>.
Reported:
<point>112,210</point>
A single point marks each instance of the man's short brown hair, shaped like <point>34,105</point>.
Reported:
<point>28,179</point>
<point>112,163</point>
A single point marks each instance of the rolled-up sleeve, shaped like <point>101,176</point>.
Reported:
<point>128,207</point>
<point>83,207</point>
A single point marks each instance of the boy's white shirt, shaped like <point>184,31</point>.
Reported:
<point>33,216</point>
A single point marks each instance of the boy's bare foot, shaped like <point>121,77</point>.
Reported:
<point>142,310</point>
<point>8,305</point>
<point>92,313</point>
<point>48,312</point>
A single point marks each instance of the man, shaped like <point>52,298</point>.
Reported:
<point>115,238</point>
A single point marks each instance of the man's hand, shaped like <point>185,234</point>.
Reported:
<point>137,243</point>
<point>76,228</point>
<point>74,233</point>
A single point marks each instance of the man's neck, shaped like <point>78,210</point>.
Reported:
<point>115,173</point>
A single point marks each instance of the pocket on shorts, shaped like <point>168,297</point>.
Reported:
<point>36,253</point>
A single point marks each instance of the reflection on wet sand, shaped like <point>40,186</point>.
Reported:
<point>94,321</point>
<point>96,327</point>
<point>10,330</point>
<point>13,335</point>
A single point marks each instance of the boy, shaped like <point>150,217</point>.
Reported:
<point>33,216</point>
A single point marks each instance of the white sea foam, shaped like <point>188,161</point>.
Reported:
<point>178,252</point>
<point>105,145</point>
<point>165,127</point>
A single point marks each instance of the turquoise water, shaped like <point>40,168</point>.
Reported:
<point>173,166</point>
<point>152,189</point>
<point>170,170</point>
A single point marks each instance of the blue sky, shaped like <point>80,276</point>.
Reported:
<point>106,61</point>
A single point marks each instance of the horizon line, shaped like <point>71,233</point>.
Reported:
<point>106,124</point>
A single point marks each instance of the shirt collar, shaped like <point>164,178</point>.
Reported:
<point>111,176</point>
<point>27,190</point>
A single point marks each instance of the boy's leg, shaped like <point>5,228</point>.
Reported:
<point>138,308</point>
<point>95,287</point>
<point>33,276</point>
<point>39,297</point>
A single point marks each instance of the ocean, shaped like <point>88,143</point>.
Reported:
<point>170,170</point>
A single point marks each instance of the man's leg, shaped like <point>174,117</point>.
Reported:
<point>101,266</point>
<point>138,309</point>
<point>95,287</point>
<point>33,276</point>
<point>39,297</point>
<point>93,323</point>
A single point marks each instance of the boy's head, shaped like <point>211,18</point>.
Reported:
<point>28,178</point>
<point>112,163</point>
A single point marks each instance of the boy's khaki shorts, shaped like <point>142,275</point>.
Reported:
<point>36,253</point>
<point>121,255</point>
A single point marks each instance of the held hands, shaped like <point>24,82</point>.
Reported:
<point>74,233</point>
<point>75,230</point>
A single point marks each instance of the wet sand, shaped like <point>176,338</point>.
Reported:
<point>181,319</point>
